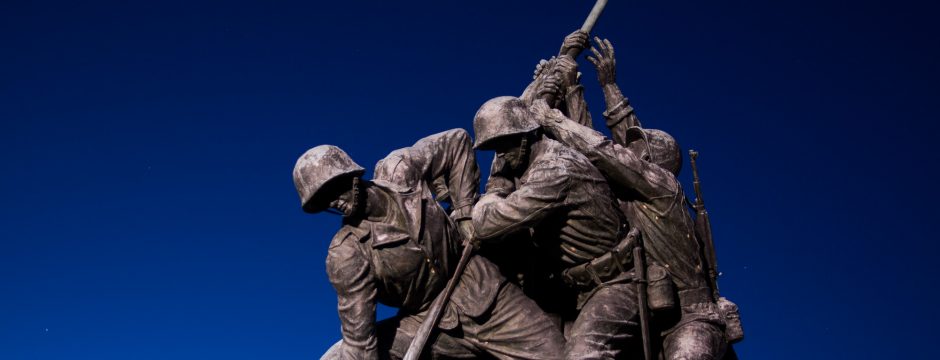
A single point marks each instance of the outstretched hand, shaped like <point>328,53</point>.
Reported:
<point>604,61</point>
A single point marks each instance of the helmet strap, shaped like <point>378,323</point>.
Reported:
<point>356,202</point>
<point>524,148</point>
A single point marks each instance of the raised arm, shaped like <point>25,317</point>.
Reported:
<point>575,107</point>
<point>560,76</point>
<point>625,171</point>
<point>619,114</point>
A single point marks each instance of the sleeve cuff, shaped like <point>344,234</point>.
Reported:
<point>619,112</point>
<point>463,209</point>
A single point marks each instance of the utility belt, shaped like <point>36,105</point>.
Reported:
<point>604,268</point>
<point>660,290</point>
<point>618,264</point>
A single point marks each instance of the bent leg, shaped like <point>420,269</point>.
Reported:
<point>515,328</point>
<point>697,340</point>
<point>607,325</point>
<point>395,335</point>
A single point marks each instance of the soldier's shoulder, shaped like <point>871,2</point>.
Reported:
<point>349,235</point>
<point>347,262</point>
<point>345,247</point>
<point>566,157</point>
<point>663,179</point>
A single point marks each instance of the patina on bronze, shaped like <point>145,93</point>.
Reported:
<point>399,247</point>
<point>564,202</point>
<point>588,247</point>
<point>641,170</point>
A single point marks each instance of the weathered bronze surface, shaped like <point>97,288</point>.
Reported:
<point>586,247</point>
<point>398,247</point>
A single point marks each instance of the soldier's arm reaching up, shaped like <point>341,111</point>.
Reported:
<point>563,71</point>
<point>619,115</point>
<point>625,171</point>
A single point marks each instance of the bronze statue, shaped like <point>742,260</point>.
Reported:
<point>573,218</point>
<point>588,249</point>
<point>397,246</point>
<point>641,165</point>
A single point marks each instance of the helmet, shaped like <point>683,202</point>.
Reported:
<point>318,166</point>
<point>662,147</point>
<point>501,116</point>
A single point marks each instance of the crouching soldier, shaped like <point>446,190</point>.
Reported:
<point>398,247</point>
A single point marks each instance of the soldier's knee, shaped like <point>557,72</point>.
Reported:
<point>690,356</point>
<point>695,341</point>
<point>692,350</point>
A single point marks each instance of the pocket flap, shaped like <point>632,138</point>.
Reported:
<point>387,235</point>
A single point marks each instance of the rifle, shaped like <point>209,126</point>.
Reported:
<point>437,307</point>
<point>703,230</point>
<point>703,227</point>
<point>639,271</point>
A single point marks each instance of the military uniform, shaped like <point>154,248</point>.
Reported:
<point>573,217</point>
<point>406,259</point>
<point>653,201</point>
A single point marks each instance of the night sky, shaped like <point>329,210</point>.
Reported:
<point>146,148</point>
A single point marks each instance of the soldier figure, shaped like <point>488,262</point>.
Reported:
<point>556,193</point>
<point>641,166</point>
<point>643,175</point>
<point>398,247</point>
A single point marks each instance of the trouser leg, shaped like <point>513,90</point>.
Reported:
<point>515,328</point>
<point>697,340</point>
<point>395,335</point>
<point>607,325</point>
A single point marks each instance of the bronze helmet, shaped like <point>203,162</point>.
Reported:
<point>499,117</point>
<point>662,147</point>
<point>317,167</point>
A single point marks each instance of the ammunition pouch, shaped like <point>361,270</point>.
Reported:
<point>728,310</point>
<point>603,268</point>
<point>660,291</point>
<point>695,296</point>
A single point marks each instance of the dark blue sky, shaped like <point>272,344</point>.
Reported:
<point>148,210</point>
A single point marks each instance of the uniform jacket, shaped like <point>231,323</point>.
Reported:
<point>653,199</point>
<point>405,260</point>
<point>564,200</point>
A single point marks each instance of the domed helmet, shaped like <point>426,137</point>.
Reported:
<point>662,148</point>
<point>499,117</point>
<point>316,168</point>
